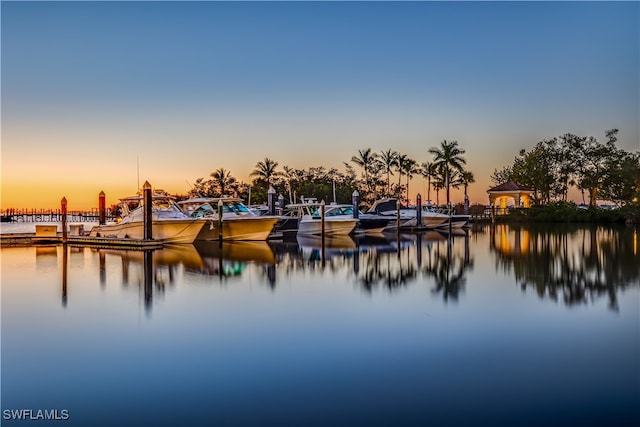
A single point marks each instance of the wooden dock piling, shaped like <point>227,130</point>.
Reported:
<point>355,201</point>
<point>63,209</point>
<point>148,212</point>
<point>102,208</point>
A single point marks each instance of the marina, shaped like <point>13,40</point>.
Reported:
<point>225,213</point>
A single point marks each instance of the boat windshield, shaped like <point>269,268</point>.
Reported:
<point>164,204</point>
<point>202,211</point>
<point>235,207</point>
<point>339,210</point>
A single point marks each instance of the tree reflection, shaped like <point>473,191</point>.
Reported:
<point>448,267</point>
<point>386,262</point>
<point>576,264</point>
<point>393,264</point>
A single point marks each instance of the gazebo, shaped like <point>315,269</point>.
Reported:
<point>499,195</point>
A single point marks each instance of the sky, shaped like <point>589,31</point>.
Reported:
<point>101,96</point>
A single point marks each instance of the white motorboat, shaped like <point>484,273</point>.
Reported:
<point>408,216</point>
<point>456,220</point>
<point>238,221</point>
<point>367,223</point>
<point>310,220</point>
<point>169,223</point>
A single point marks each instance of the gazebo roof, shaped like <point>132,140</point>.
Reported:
<point>509,186</point>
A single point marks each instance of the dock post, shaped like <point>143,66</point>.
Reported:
<point>101,208</point>
<point>419,210</point>
<point>148,212</point>
<point>271,200</point>
<point>322,218</point>
<point>220,206</point>
<point>322,221</point>
<point>398,217</point>
<point>355,201</point>
<point>63,208</point>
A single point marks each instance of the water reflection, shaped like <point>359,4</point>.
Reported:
<point>448,268</point>
<point>574,264</point>
<point>579,264</point>
<point>64,274</point>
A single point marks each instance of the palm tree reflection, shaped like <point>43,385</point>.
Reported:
<point>448,267</point>
<point>430,255</point>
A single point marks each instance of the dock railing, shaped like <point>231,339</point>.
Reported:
<point>51,215</point>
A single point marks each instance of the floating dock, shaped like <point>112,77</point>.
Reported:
<point>25,239</point>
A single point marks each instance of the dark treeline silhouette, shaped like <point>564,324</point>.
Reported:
<point>377,178</point>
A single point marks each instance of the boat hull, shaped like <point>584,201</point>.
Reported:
<point>240,228</point>
<point>169,230</point>
<point>434,220</point>
<point>371,224</point>
<point>331,226</point>
<point>457,221</point>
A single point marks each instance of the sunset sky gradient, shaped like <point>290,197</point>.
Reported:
<point>90,90</point>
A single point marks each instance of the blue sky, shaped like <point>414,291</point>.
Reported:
<point>186,88</point>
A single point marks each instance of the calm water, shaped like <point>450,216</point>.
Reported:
<point>500,326</point>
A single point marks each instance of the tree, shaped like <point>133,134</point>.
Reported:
<point>202,188</point>
<point>428,170</point>
<point>438,184</point>
<point>266,169</point>
<point>367,160</point>
<point>410,168</point>
<point>502,176</point>
<point>592,159</point>
<point>389,160</point>
<point>466,178</point>
<point>223,182</point>
<point>448,159</point>
<point>622,183</point>
<point>534,169</point>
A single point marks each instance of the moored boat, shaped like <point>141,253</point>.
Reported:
<point>169,223</point>
<point>367,223</point>
<point>310,220</point>
<point>238,221</point>
<point>408,216</point>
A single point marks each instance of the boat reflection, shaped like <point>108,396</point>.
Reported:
<point>577,264</point>
<point>318,248</point>
<point>154,270</point>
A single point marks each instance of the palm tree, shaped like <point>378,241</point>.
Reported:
<point>438,184</point>
<point>223,181</point>
<point>366,159</point>
<point>389,160</point>
<point>406,166</point>
<point>448,159</point>
<point>428,171</point>
<point>466,177</point>
<point>266,169</point>
<point>411,168</point>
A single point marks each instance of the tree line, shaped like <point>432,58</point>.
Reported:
<point>381,174</point>
<point>600,170</point>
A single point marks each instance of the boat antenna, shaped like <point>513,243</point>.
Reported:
<point>138,170</point>
<point>193,188</point>
<point>334,190</point>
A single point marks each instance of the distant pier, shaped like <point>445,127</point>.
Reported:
<point>51,215</point>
